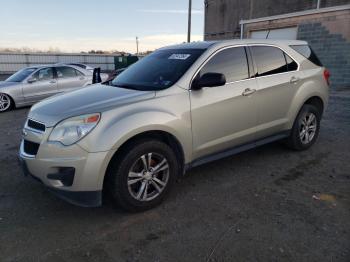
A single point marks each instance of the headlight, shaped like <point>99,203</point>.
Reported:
<point>73,129</point>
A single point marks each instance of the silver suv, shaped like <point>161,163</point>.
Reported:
<point>179,107</point>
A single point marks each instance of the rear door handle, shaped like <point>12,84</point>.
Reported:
<point>82,78</point>
<point>52,82</point>
<point>248,92</point>
<point>294,79</point>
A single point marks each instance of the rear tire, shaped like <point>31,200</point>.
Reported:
<point>6,102</point>
<point>305,128</point>
<point>141,177</point>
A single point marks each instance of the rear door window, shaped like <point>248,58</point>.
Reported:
<point>269,60</point>
<point>66,72</point>
<point>307,52</point>
<point>232,62</point>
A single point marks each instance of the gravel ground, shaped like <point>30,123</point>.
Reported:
<point>267,204</point>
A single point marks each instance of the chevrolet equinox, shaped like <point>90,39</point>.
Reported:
<point>179,107</point>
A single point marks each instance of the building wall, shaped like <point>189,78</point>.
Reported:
<point>327,33</point>
<point>222,16</point>
<point>331,45</point>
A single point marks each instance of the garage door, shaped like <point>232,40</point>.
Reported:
<point>280,33</point>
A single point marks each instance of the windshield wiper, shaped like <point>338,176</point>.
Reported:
<point>123,86</point>
<point>126,86</point>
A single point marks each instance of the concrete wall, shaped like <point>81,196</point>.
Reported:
<point>332,46</point>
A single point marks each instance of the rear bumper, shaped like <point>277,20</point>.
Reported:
<point>79,198</point>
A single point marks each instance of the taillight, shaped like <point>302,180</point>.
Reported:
<point>326,75</point>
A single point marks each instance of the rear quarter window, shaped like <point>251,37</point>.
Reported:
<point>291,64</point>
<point>308,53</point>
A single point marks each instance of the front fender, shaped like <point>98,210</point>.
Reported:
<point>15,92</point>
<point>112,132</point>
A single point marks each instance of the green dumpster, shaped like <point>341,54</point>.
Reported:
<point>124,61</point>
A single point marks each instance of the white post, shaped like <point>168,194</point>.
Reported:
<point>318,4</point>
<point>137,45</point>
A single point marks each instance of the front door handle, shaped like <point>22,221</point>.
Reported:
<point>294,79</point>
<point>52,82</point>
<point>82,78</point>
<point>248,92</point>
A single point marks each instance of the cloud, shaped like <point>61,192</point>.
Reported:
<point>170,11</point>
<point>149,42</point>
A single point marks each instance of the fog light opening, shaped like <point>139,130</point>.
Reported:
<point>64,177</point>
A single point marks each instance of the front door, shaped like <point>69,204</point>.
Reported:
<point>44,85</point>
<point>225,116</point>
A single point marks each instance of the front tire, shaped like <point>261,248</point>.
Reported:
<point>6,102</point>
<point>305,129</point>
<point>142,177</point>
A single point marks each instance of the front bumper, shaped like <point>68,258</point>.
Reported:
<point>85,177</point>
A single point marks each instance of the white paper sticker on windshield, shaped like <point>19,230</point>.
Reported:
<point>179,56</point>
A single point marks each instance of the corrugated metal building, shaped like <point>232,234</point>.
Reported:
<point>325,24</point>
<point>12,62</point>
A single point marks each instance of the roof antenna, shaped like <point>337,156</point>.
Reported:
<point>267,35</point>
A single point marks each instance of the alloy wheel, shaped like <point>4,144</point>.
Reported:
<point>148,177</point>
<point>5,102</point>
<point>308,128</point>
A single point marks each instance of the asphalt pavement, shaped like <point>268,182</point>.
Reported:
<point>266,204</point>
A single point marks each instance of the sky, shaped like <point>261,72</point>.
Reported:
<point>83,25</point>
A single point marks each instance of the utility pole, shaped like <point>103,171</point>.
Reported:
<point>189,21</point>
<point>137,45</point>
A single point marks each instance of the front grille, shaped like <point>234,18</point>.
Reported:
<point>30,148</point>
<point>36,125</point>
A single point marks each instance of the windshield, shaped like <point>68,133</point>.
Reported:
<point>158,70</point>
<point>20,75</point>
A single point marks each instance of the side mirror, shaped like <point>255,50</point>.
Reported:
<point>31,80</point>
<point>209,80</point>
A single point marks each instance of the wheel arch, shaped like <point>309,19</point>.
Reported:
<point>314,99</point>
<point>159,135</point>
<point>317,102</point>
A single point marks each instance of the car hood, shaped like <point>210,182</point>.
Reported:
<point>4,84</point>
<point>91,99</point>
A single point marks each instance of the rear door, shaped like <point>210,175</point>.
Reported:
<point>44,86</point>
<point>278,80</point>
<point>224,116</point>
<point>69,78</point>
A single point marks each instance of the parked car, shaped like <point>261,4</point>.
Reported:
<point>86,67</point>
<point>177,108</point>
<point>103,76</point>
<point>33,84</point>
